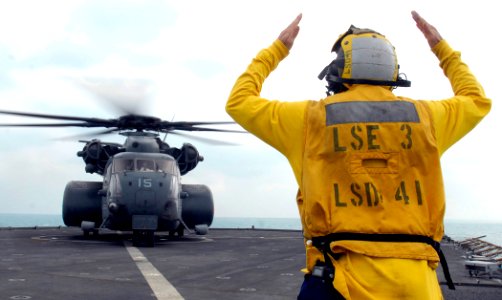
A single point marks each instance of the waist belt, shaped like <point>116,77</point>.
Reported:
<point>323,244</point>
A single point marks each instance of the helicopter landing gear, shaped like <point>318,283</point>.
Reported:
<point>180,231</point>
<point>201,229</point>
<point>88,228</point>
<point>144,238</point>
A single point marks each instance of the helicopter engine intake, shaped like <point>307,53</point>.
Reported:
<point>188,157</point>
<point>96,154</point>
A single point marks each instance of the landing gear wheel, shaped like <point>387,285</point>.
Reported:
<point>89,227</point>
<point>144,238</point>
<point>180,231</point>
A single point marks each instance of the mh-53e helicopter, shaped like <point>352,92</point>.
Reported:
<point>141,190</point>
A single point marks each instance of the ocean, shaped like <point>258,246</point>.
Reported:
<point>457,230</point>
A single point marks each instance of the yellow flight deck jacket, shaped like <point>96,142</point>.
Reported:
<point>367,161</point>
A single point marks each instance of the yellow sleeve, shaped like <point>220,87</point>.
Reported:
<point>277,123</point>
<point>456,116</point>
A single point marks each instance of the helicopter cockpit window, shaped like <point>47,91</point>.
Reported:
<point>145,165</point>
<point>165,166</point>
<point>121,165</point>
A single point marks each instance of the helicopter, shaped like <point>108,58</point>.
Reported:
<point>141,189</point>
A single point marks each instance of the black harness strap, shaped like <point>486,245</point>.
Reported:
<point>398,82</point>
<point>322,243</point>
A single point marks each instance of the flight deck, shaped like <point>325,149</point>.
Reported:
<point>60,263</point>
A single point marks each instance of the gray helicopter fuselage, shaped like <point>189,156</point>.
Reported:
<point>142,192</point>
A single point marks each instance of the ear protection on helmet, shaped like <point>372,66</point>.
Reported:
<point>364,56</point>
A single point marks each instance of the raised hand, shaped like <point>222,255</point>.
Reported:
<point>430,32</point>
<point>288,35</point>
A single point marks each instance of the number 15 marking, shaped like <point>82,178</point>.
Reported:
<point>144,182</point>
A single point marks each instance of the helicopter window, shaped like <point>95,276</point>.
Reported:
<point>145,165</point>
<point>123,165</point>
<point>165,166</point>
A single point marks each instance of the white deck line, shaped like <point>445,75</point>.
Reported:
<point>161,288</point>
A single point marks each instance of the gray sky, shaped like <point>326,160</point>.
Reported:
<point>182,59</point>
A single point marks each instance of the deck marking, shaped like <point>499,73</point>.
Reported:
<point>161,288</point>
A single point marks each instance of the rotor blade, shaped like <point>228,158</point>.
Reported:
<point>88,135</point>
<point>54,117</point>
<point>192,128</point>
<point>83,124</point>
<point>102,143</point>
<point>203,140</point>
<point>181,123</point>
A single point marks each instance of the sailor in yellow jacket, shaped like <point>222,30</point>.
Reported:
<point>367,162</point>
